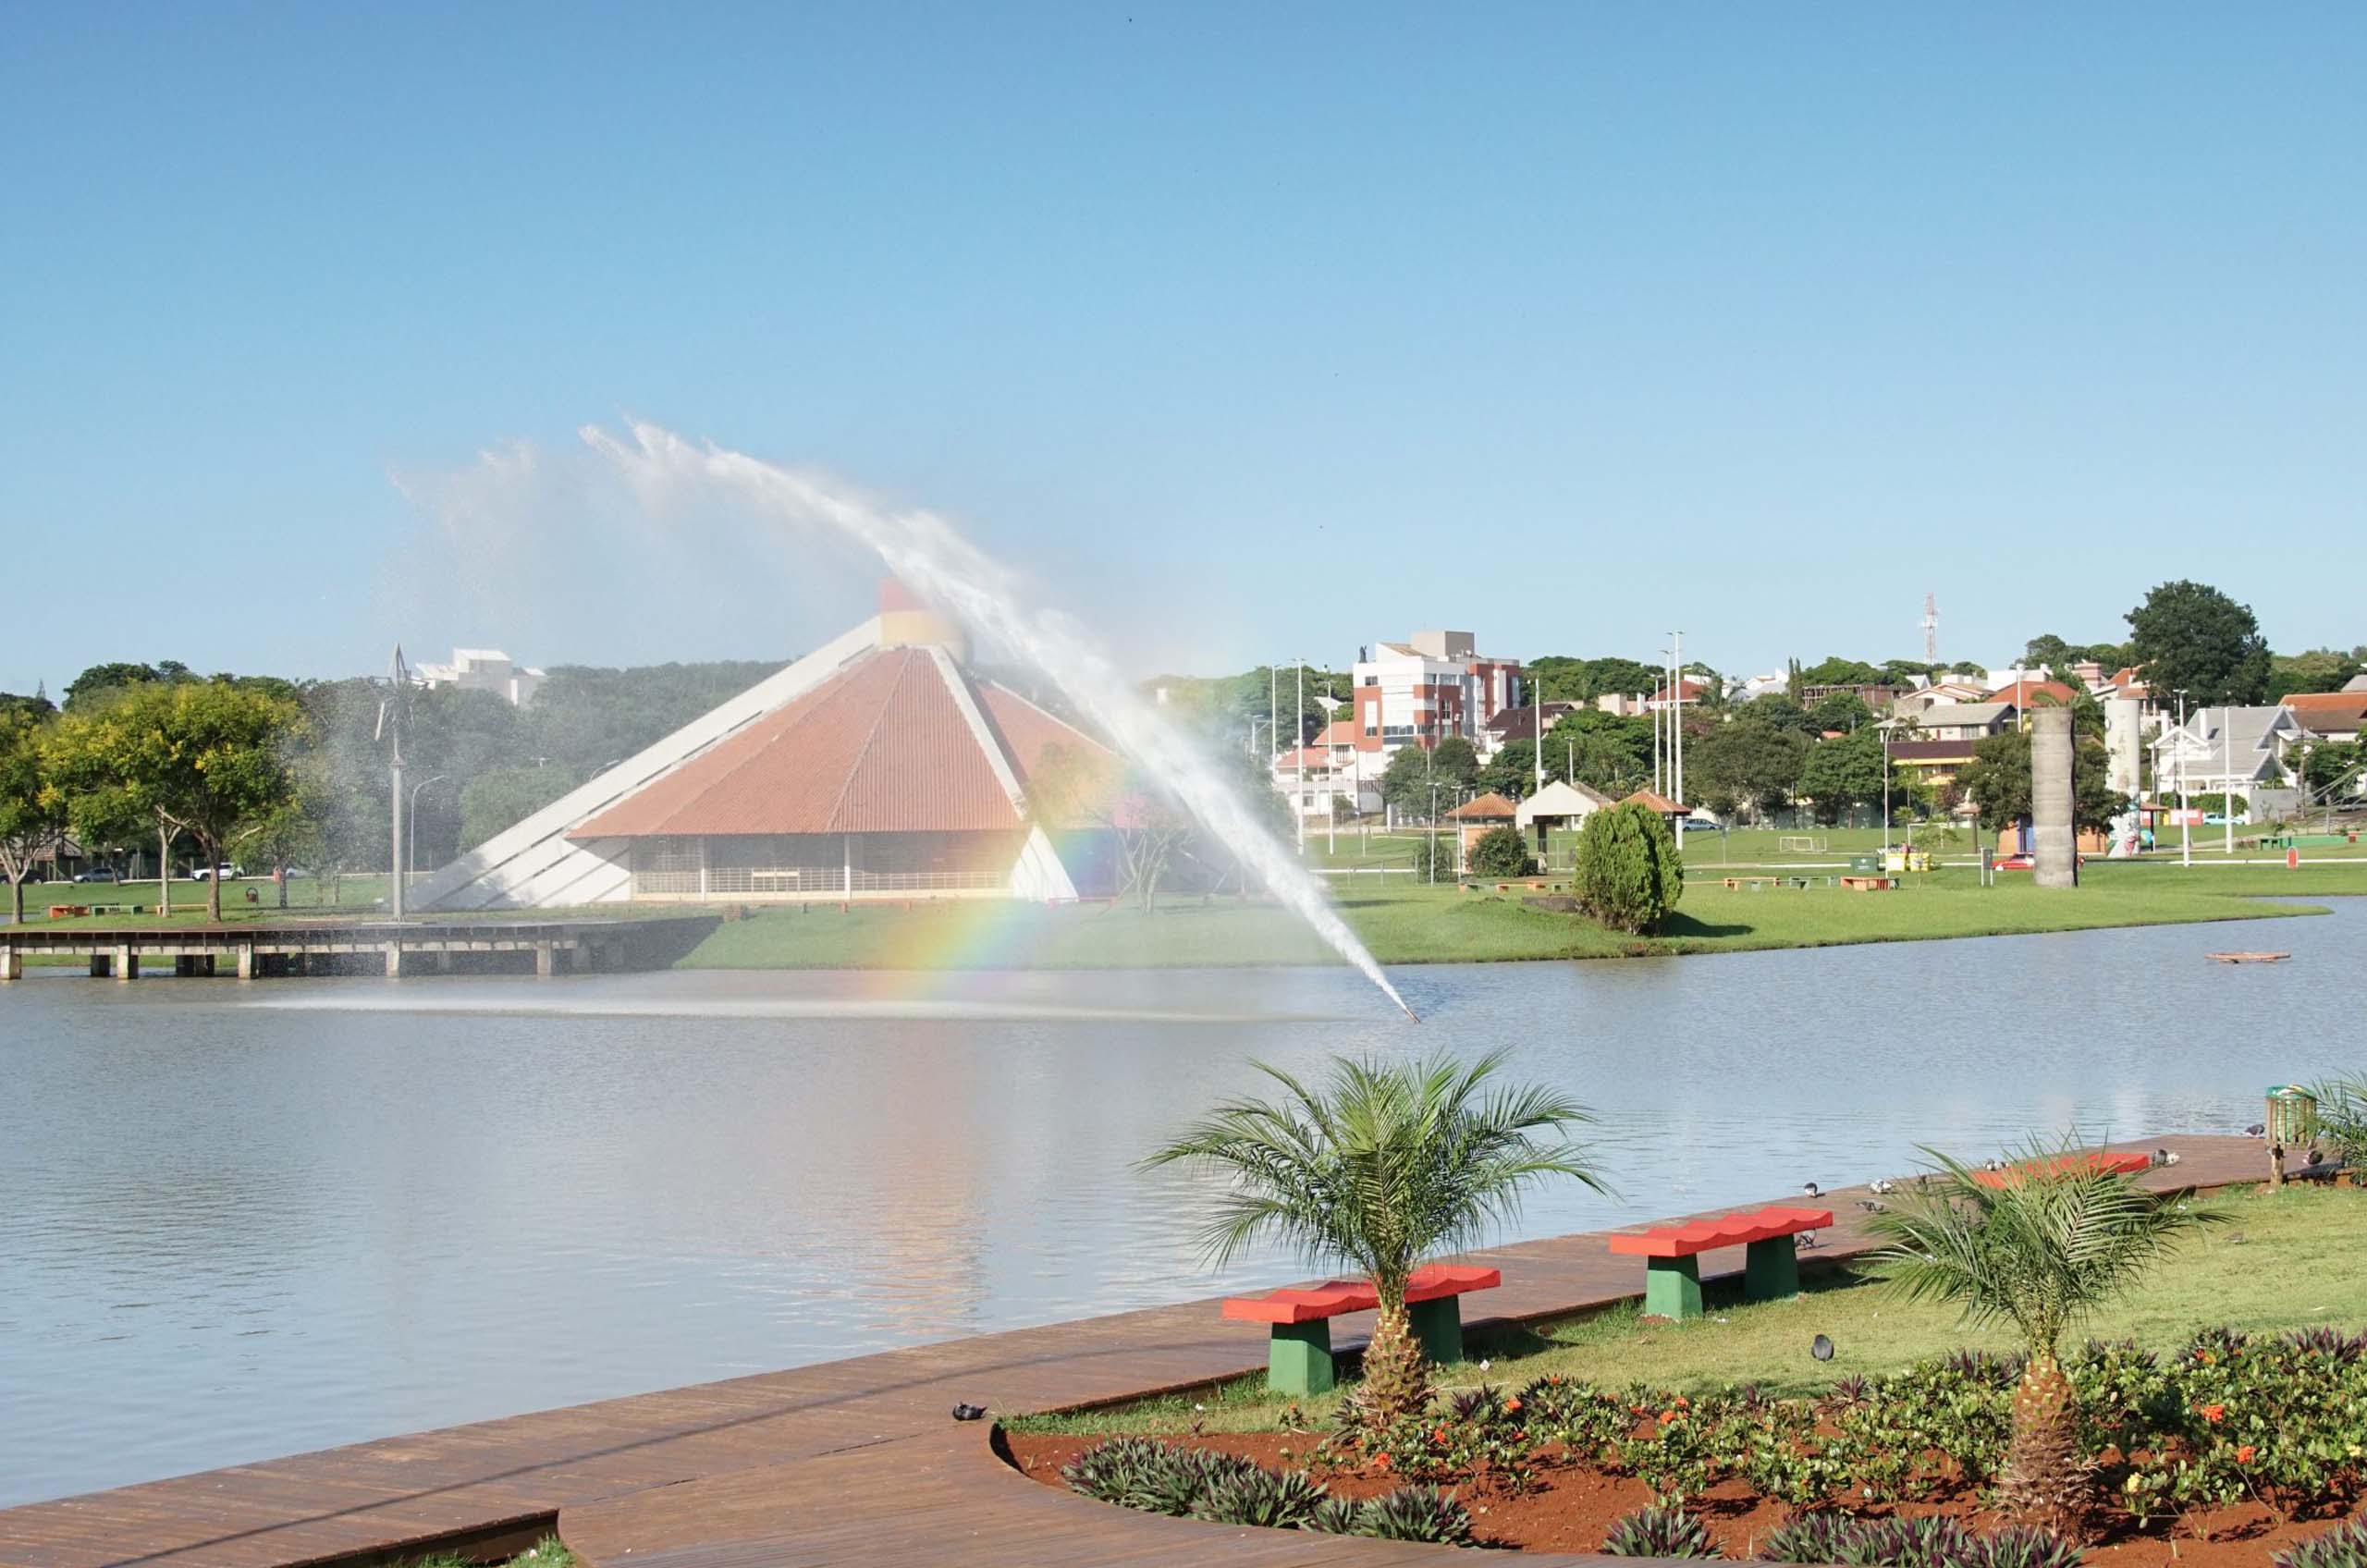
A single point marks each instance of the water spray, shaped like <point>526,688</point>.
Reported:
<point>933,559</point>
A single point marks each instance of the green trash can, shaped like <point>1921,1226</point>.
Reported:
<point>1865,865</point>
<point>2292,1122</point>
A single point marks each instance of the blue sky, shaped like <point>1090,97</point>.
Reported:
<point>1249,331</point>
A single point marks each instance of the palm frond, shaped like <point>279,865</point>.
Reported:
<point>1382,1167</point>
<point>2040,1249</point>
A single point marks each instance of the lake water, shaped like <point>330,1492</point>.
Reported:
<point>247,1221</point>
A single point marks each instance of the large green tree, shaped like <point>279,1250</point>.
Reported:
<point>1775,708</point>
<point>1557,678</point>
<point>1381,1168</point>
<point>1842,772</point>
<point>31,813</point>
<point>2191,637</point>
<point>1998,780</point>
<point>1745,763</point>
<point>1845,711</point>
<point>205,759</point>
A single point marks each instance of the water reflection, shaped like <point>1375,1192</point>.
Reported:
<point>250,1222</point>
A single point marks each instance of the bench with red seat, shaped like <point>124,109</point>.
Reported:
<point>1671,1256</point>
<point>2095,1162</point>
<point>1298,1355</point>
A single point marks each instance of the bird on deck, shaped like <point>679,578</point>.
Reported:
<point>1812,1190</point>
<point>1881,1184</point>
<point>2257,1130</point>
<point>1869,1206</point>
<point>967,1412</point>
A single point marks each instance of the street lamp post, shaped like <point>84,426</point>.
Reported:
<point>410,861</point>
<point>2185,828</point>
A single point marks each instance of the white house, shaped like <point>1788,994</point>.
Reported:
<point>2225,751</point>
<point>483,669</point>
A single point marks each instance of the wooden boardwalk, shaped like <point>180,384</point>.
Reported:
<point>852,1461</point>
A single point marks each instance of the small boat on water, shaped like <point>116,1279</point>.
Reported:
<point>2251,958</point>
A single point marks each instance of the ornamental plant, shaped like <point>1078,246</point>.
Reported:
<point>1660,1532</point>
<point>2344,1546</point>
<point>2052,1241</point>
<point>1381,1167</point>
<point>1628,874</point>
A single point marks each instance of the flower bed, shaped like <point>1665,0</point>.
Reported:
<point>2235,1450</point>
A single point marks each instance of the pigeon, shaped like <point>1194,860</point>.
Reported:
<point>2171,1157</point>
<point>1992,1165</point>
<point>1881,1184</point>
<point>1821,1348</point>
<point>968,1412</point>
<point>1869,1206</point>
<point>2257,1130</point>
<point>1806,1239</point>
<point>2161,1156</point>
<point>2313,1157</point>
<point>1812,1190</point>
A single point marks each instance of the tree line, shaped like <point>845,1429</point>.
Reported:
<point>156,759</point>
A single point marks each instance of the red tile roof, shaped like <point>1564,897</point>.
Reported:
<point>1485,808</point>
<point>2024,694</point>
<point>2340,709</point>
<point>1658,803</point>
<point>879,747</point>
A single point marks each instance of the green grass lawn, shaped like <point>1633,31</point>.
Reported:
<point>1406,923</point>
<point>353,894</point>
<point>2299,1263</point>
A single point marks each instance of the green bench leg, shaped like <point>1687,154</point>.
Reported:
<point>1673,1287</point>
<point>1770,1271</point>
<point>1438,1327</point>
<point>1298,1358</point>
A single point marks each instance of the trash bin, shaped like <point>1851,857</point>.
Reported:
<point>2292,1115</point>
<point>1865,865</point>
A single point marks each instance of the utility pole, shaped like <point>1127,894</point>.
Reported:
<point>391,715</point>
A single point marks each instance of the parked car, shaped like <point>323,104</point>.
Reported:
<point>226,871</point>
<point>98,874</point>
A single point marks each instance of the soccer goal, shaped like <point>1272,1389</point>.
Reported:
<point>1801,844</point>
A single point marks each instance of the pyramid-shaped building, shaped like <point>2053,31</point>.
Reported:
<point>878,766</point>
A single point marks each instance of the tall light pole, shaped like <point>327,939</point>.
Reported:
<point>1298,751</point>
<point>1676,691</point>
<point>2227,776</point>
<point>411,861</point>
<point>392,715</point>
<point>2185,828</point>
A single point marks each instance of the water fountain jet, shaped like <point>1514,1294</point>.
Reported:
<point>929,555</point>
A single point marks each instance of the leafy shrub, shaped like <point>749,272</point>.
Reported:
<point>1660,1532</point>
<point>1277,1500</point>
<point>2016,1549</point>
<point>1500,851</point>
<point>1416,1514</point>
<point>2344,1546</point>
<point>1629,874</point>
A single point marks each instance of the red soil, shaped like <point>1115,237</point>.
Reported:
<point>1572,1507</point>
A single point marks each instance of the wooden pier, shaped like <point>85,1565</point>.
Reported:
<point>852,1461</point>
<point>260,949</point>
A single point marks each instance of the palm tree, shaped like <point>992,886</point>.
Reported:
<point>2055,1238</point>
<point>1382,1167</point>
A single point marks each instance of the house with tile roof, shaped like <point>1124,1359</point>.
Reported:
<point>877,766</point>
<point>2330,716</point>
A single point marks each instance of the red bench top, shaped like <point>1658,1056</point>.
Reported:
<point>1334,1298</point>
<point>2096,1162</point>
<point>1728,1231</point>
